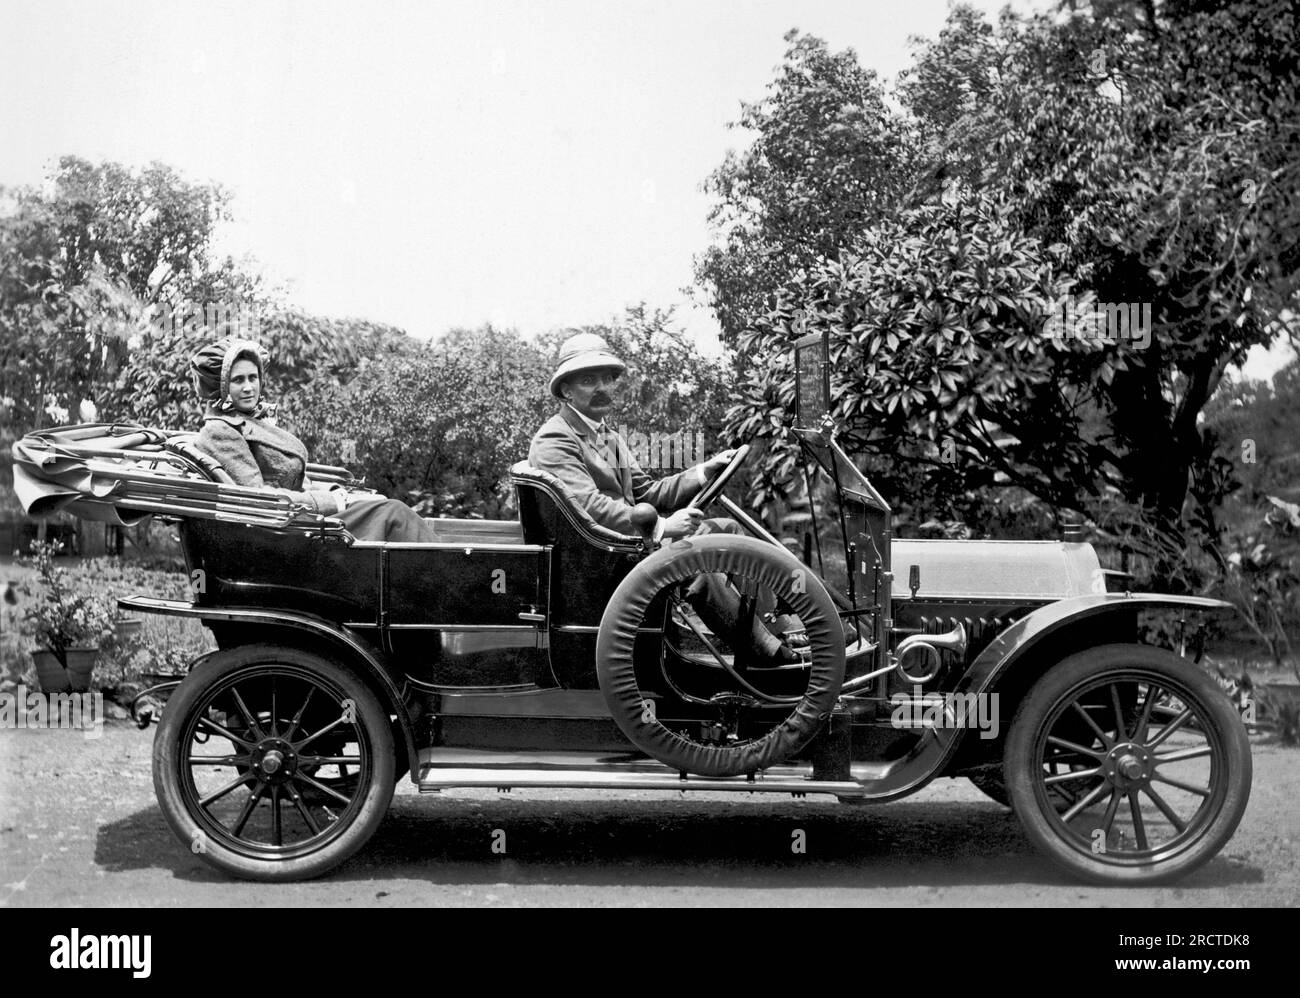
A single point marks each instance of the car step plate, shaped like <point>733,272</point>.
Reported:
<point>445,769</point>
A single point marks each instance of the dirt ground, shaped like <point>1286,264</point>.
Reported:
<point>79,827</point>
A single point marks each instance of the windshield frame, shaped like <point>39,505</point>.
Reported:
<point>812,381</point>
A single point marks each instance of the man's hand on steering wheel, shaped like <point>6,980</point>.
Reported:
<point>682,523</point>
<point>717,472</point>
<point>716,463</point>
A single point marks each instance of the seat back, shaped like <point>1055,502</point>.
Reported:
<point>183,444</point>
<point>587,563</point>
<point>547,508</point>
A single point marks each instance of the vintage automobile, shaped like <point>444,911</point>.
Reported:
<point>552,652</point>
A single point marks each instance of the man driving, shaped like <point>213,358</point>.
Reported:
<point>594,461</point>
<point>596,466</point>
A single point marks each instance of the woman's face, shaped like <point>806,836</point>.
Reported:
<point>245,386</point>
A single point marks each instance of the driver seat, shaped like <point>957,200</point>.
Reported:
<point>587,562</point>
<point>548,512</point>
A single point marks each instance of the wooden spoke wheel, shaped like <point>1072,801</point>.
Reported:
<point>272,763</point>
<point>1126,764</point>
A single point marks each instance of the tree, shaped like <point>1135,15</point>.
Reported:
<point>937,358</point>
<point>1167,172</point>
<point>1254,424</point>
<point>107,288</point>
<point>669,386</point>
<point>441,424</point>
<point>1115,164</point>
<point>828,158</point>
<point>151,227</point>
<point>153,384</point>
<point>438,425</point>
<point>89,261</point>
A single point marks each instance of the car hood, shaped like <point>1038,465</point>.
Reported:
<point>1041,570</point>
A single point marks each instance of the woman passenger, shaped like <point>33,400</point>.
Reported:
<point>240,431</point>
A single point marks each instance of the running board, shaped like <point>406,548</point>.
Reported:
<point>444,769</point>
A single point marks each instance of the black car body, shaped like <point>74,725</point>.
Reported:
<point>552,652</point>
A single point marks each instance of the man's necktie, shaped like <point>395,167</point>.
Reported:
<point>607,440</point>
<point>608,449</point>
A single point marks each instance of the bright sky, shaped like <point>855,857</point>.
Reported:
<point>431,164</point>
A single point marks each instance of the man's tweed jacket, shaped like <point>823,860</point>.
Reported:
<point>568,448</point>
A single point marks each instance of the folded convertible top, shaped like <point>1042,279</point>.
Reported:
<point>120,473</point>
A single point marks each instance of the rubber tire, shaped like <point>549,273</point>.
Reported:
<point>371,715</point>
<point>759,560</point>
<point>1089,665</point>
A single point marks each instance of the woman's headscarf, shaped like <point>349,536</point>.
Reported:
<point>211,367</point>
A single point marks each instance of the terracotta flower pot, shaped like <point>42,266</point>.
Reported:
<point>54,678</point>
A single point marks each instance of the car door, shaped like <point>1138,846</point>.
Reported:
<point>468,615</point>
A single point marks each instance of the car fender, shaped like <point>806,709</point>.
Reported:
<point>929,757</point>
<point>356,654</point>
<point>1029,631</point>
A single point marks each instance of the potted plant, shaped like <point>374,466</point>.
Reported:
<point>67,624</point>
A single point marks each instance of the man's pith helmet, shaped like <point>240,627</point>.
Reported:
<point>583,352</point>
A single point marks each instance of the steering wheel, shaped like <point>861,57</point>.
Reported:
<point>714,488</point>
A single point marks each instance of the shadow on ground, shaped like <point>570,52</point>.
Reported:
<point>667,842</point>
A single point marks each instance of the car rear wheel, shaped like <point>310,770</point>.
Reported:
<point>272,763</point>
<point>1127,765</point>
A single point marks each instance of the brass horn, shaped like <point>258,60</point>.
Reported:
<point>954,640</point>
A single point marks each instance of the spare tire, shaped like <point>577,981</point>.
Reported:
<point>762,562</point>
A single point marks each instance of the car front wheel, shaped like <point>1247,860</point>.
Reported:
<point>1127,765</point>
<point>272,763</point>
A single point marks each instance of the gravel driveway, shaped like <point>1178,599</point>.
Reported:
<point>79,826</point>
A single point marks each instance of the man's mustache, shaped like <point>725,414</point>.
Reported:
<point>601,399</point>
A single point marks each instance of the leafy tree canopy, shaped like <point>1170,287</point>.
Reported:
<point>95,256</point>
<point>440,424</point>
<point>107,287</point>
<point>1041,164</point>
